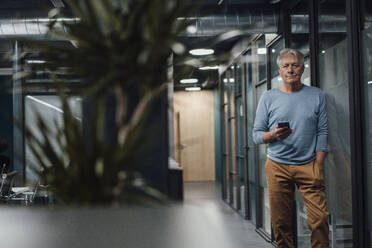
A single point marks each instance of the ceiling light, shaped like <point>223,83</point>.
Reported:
<point>261,51</point>
<point>191,29</point>
<point>35,61</point>
<point>215,67</point>
<point>231,80</point>
<point>188,81</point>
<point>369,82</point>
<point>306,65</point>
<point>323,51</point>
<point>193,88</point>
<point>201,52</point>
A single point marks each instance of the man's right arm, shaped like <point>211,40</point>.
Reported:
<point>269,137</point>
<point>277,133</point>
<point>261,123</point>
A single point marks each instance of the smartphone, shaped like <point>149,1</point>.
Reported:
<point>283,124</point>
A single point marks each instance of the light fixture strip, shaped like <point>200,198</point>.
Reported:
<point>201,52</point>
<point>189,81</point>
<point>193,89</point>
<point>216,67</point>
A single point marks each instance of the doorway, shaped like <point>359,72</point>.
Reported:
<point>194,135</point>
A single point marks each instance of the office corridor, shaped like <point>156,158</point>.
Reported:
<point>237,231</point>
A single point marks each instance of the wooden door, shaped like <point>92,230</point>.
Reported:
<point>194,134</point>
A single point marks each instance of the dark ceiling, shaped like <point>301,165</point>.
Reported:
<point>28,8</point>
<point>212,2</point>
<point>30,4</point>
<point>215,16</point>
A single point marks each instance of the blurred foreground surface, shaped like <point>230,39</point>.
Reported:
<point>202,221</point>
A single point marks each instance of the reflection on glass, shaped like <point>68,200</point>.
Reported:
<point>233,170</point>
<point>367,85</point>
<point>262,151</point>
<point>250,120</point>
<point>232,126</point>
<point>333,80</point>
<point>305,79</point>
<point>274,53</point>
<point>50,110</point>
<point>226,153</point>
<point>300,27</point>
<point>367,15</point>
<point>238,78</point>
<point>261,53</point>
<point>240,155</point>
<point>275,49</point>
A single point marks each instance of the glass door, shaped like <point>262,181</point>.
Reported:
<point>263,221</point>
<point>366,51</point>
<point>230,167</point>
<point>333,80</point>
<point>240,142</point>
<point>233,169</point>
<point>225,138</point>
<point>250,148</point>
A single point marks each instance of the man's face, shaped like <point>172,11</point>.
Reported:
<point>290,69</point>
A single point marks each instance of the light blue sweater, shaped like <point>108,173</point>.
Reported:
<point>305,110</point>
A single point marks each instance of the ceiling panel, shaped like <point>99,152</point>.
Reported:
<point>25,4</point>
<point>221,2</point>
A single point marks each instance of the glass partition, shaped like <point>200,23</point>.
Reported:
<point>250,147</point>
<point>225,155</point>
<point>49,108</point>
<point>261,54</point>
<point>274,51</point>
<point>299,16</point>
<point>261,87</point>
<point>262,151</point>
<point>367,91</point>
<point>240,153</point>
<point>232,126</point>
<point>333,80</point>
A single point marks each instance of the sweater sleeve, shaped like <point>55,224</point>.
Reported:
<point>322,126</point>
<point>261,121</point>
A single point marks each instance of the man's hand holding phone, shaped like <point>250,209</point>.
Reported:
<point>282,130</point>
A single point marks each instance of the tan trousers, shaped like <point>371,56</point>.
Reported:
<point>309,179</point>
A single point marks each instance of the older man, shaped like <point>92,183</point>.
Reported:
<point>292,120</point>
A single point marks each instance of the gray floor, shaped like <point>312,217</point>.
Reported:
<point>206,198</point>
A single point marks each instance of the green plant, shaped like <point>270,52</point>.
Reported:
<point>121,48</point>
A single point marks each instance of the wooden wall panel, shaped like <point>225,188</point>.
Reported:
<point>194,134</point>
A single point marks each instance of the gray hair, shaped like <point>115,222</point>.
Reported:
<point>299,55</point>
